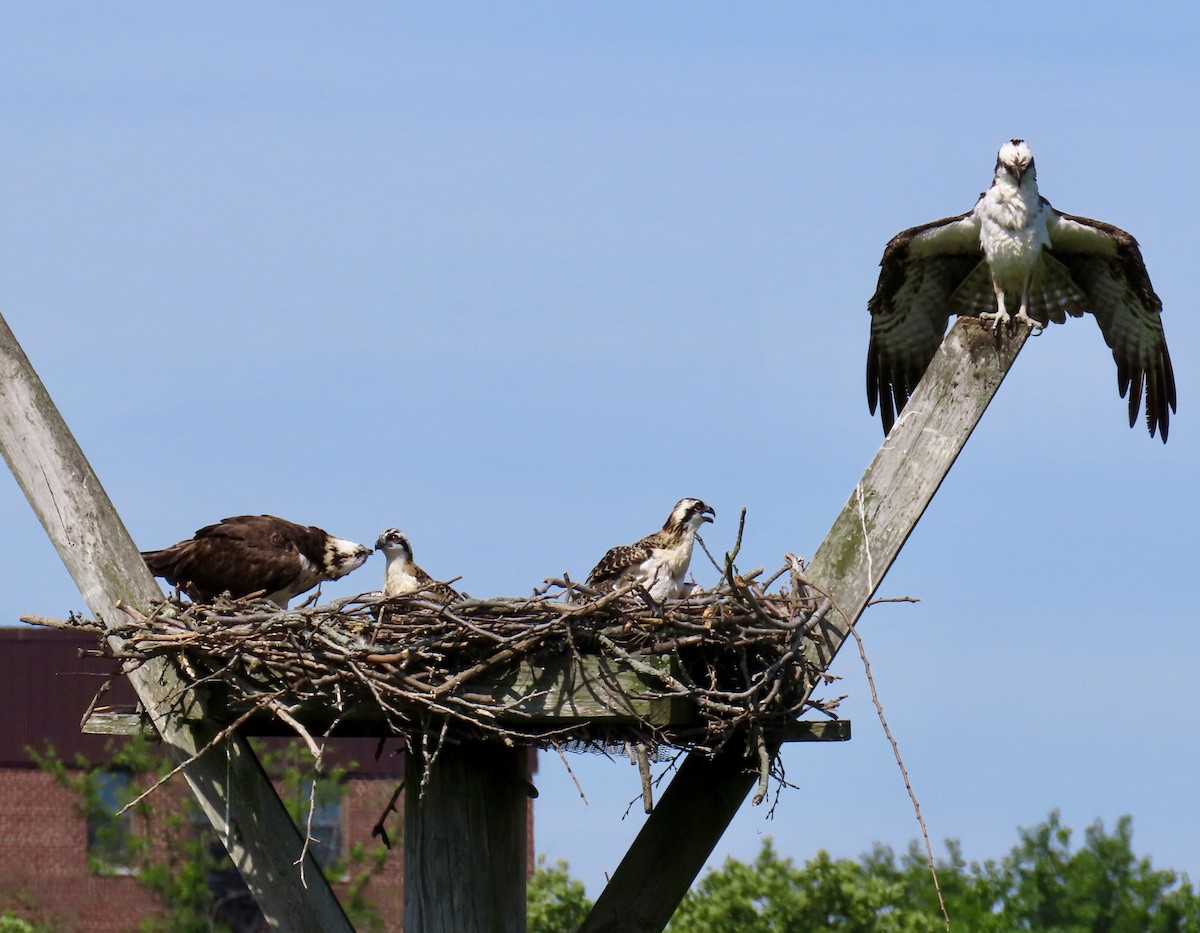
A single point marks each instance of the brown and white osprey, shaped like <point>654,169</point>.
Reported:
<point>659,562</point>
<point>1013,250</point>
<point>255,553</point>
<point>403,575</point>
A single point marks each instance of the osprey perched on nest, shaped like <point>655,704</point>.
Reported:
<point>659,561</point>
<point>403,575</point>
<point>1014,257</point>
<point>255,553</point>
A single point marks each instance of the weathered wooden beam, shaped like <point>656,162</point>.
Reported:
<point>117,722</point>
<point>133,722</point>
<point>592,688</point>
<point>465,839</point>
<point>907,470</point>
<point>673,845</point>
<point>561,690</point>
<point>825,730</point>
<point>850,563</point>
<point>92,541</point>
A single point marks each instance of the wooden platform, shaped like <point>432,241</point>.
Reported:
<point>590,692</point>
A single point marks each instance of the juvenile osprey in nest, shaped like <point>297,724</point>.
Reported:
<point>403,575</point>
<point>255,553</point>
<point>1014,257</point>
<point>659,561</point>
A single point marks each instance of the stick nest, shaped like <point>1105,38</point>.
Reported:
<point>731,659</point>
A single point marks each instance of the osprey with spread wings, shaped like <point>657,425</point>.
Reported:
<point>1013,252</point>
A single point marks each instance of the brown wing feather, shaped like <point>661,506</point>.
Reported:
<point>1111,272</point>
<point>919,272</point>
<point>615,562</point>
<point>436,588</point>
<point>241,555</point>
<point>619,559</point>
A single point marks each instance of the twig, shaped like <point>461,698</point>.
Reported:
<point>308,836</point>
<point>421,669</point>
<point>862,653</point>
<point>379,830</point>
<point>764,768</point>
<point>49,622</point>
<point>566,764</point>
<point>285,714</point>
<point>643,763</point>
<point>216,740</point>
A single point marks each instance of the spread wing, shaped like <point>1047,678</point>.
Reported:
<point>921,270</point>
<point>1106,263</point>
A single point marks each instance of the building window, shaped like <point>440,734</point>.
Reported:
<point>109,835</point>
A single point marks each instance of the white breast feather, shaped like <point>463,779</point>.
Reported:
<point>399,579</point>
<point>663,571</point>
<point>1012,231</point>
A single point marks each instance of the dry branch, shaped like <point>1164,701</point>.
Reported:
<point>414,666</point>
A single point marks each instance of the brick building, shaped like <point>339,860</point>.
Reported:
<point>48,857</point>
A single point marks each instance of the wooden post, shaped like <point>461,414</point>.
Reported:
<point>465,832</point>
<point>849,564</point>
<point>229,782</point>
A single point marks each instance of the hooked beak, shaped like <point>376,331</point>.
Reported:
<point>708,514</point>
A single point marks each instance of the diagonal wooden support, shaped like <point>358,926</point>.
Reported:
<point>681,833</point>
<point>677,839</point>
<point>88,533</point>
<point>907,470</point>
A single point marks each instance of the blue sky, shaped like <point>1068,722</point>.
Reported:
<point>517,277</point>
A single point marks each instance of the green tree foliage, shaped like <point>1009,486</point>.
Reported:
<point>172,849</point>
<point>1044,885</point>
<point>1102,886</point>
<point>157,845</point>
<point>556,902</point>
<point>772,895</point>
<point>12,923</point>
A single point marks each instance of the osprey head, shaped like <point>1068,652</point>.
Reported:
<point>1014,159</point>
<point>394,543</point>
<point>690,513</point>
<point>341,556</point>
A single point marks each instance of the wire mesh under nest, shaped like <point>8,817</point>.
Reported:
<point>561,666</point>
